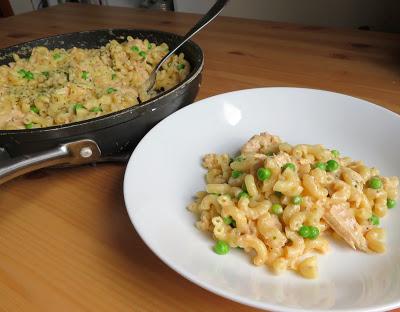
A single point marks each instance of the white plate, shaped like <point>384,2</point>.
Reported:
<point>165,171</point>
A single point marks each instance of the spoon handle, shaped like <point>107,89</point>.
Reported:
<point>208,17</point>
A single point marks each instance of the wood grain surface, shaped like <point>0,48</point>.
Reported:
<point>66,242</point>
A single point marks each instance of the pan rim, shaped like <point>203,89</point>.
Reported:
<point>136,110</point>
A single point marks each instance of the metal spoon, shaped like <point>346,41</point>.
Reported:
<point>208,17</point>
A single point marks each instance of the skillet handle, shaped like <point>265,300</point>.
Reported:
<point>73,153</point>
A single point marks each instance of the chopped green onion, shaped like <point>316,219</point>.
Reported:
<point>374,220</point>
<point>221,247</point>
<point>270,154</point>
<point>264,174</point>
<point>391,203</point>
<point>34,109</point>
<point>26,74</point>
<point>149,46</point>
<point>375,183</point>
<point>135,49</point>
<point>29,126</point>
<point>277,209</point>
<point>56,56</point>
<point>46,74</point>
<point>278,194</point>
<point>111,90</point>
<point>180,66</point>
<point>96,109</point>
<point>288,165</point>
<point>113,76</point>
<point>236,174</point>
<point>77,106</point>
<point>142,54</point>
<point>85,75</point>
<point>332,165</point>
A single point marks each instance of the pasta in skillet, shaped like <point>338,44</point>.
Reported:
<point>55,87</point>
<point>280,202</point>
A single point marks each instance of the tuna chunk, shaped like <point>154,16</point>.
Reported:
<point>342,221</point>
<point>280,159</point>
<point>261,143</point>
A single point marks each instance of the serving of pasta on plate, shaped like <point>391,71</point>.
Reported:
<point>280,203</point>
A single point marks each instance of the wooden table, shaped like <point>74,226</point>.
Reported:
<point>66,242</point>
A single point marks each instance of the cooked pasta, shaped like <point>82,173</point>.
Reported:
<point>279,203</point>
<point>54,87</point>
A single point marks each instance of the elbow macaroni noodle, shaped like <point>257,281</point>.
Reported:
<point>239,210</point>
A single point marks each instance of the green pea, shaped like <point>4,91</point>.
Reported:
<point>29,126</point>
<point>239,158</point>
<point>142,54</point>
<point>85,75</point>
<point>34,109</point>
<point>335,153</point>
<point>221,247</point>
<point>289,165</point>
<point>243,194</point>
<point>297,200</point>
<point>314,232</point>
<point>77,106</point>
<point>56,56</point>
<point>96,109</point>
<point>332,165</point>
<point>375,183</point>
<point>111,90</point>
<point>374,220</point>
<point>228,220</point>
<point>277,209</point>
<point>180,66</point>
<point>320,165</point>
<point>236,174</point>
<point>135,49</point>
<point>391,203</point>
<point>304,231</point>
<point>264,174</point>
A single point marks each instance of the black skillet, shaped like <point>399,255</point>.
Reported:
<point>106,138</point>
<point>110,137</point>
